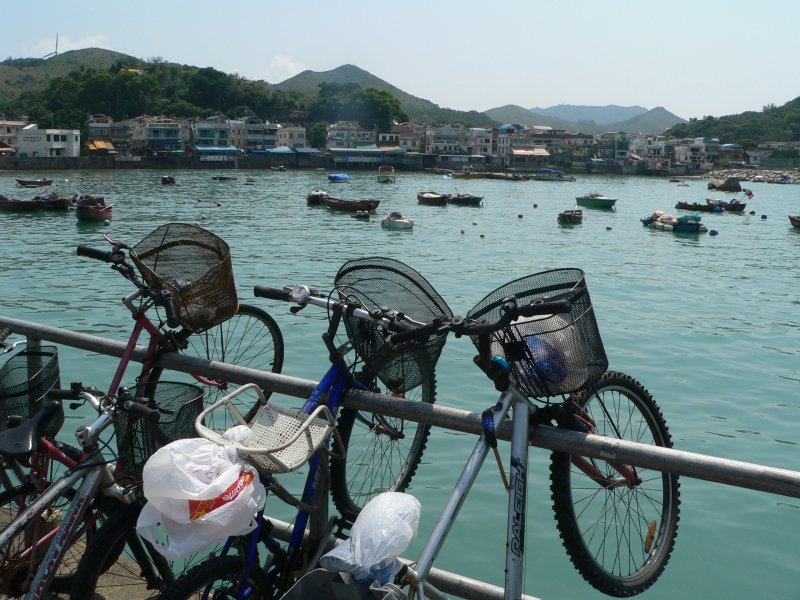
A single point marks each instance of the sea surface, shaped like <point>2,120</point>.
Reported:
<point>710,324</point>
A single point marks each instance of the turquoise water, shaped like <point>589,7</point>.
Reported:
<point>709,324</point>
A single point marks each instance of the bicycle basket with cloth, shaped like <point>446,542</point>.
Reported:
<point>178,405</point>
<point>549,355</point>
<point>195,266</point>
<point>25,379</point>
<point>380,282</point>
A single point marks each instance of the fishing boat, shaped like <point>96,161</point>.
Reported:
<point>51,201</point>
<point>315,198</point>
<point>30,183</point>
<point>396,220</point>
<point>596,200</point>
<point>350,205</point>
<point>386,174</point>
<point>432,198</point>
<point>547,174</point>
<point>338,177</point>
<point>92,208</point>
<point>795,220</point>
<point>684,224</point>
<point>710,205</point>
<point>464,199</point>
<point>571,216</point>
<point>167,180</point>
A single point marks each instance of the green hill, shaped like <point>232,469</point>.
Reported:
<point>417,109</point>
<point>18,75</point>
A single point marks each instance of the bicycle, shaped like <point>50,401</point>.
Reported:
<point>362,285</point>
<point>537,339</point>
<point>185,271</point>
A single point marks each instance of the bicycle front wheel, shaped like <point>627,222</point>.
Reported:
<point>619,537</point>
<point>20,559</point>
<point>250,338</point>
<point>222,577</point>
<point>118,559</point>
<point>383,453</point>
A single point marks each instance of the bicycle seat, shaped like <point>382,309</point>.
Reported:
<point>22,440</point>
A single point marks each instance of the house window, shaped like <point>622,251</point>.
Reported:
<point>48,137</point>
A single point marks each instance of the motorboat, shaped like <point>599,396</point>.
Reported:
<point>596,200</point>
<point>386,174</point>
<point>432,198</point>
<point>396,220</point>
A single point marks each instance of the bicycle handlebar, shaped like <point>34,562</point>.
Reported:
<point>88,251</point>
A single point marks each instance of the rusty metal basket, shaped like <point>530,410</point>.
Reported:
<point>194,265</point>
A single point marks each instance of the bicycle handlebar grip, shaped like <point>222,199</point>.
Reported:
<point>545,308</point>
<point>63,394</point>
<point>143,411</point>
<point>168,302</point>
<point>416,333</point>
<point>94,253</point>
<point>273,293</point>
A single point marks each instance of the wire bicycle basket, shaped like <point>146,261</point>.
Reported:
<point>178,405</point>
<point>384,282</point>
<point>25,379</point>
<point>549,355</point>
<point>194,265</point>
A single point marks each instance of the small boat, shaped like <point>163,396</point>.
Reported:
<point>29,183</point>
<point>571,216</point>
<point>464,199</point>
<point>386,174</point>
<point>338,177</point>
<point>350,205</point>
<point>547,174</point>
<point>684,224</point>
<point>713,206</point>
<point>596,200</point>
<point>223,178</point>
<point>51,201</point>
<point>92,208</point>
<point>432,198</point>
<point>315,197</point>
<point>167,180</point>
<point>795,220</point>
<point>396,220</point>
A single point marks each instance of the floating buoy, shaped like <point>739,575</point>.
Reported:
<point>106,222</point>
<point>482,236</point>
<point>203,217</point>
<point>713,232</point>
<point>535,205</point>
<point>519,216</point>
<point>199,199</point>
<point>219,204</point>
<point>763,216</point>
<point>752,212</point>
<point>608,228</point>
<point>474,223</point>
<point>462,231</point>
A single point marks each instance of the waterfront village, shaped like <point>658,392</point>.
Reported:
<point>251,141</point>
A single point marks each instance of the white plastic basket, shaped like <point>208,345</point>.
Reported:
<point>280,440</point>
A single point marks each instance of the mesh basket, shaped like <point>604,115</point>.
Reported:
<point>195,266</point>
<point>178,404</point>
<point>25,379</point>
<point>549,355</point>
<point>381,282</point>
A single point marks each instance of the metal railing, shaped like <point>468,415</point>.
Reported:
<point>689,464</point>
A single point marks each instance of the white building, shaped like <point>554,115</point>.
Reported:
<point>49,142</point>
<point>292,136</point>
<point>9,132</point>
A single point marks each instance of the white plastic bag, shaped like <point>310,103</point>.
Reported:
<point>382,531</point>
<point>197,493</point>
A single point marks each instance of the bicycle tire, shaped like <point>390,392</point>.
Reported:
<point>13,569</point>
<point>117,536</point>
<point>250,338</point>
<point>223,573</point>
<point>374,461</point>
<point>591,519</point>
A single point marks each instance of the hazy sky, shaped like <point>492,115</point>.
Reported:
<point>693,57</point>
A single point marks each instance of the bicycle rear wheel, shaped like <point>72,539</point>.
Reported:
<point>618,537</point>
<point>383,453</point>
